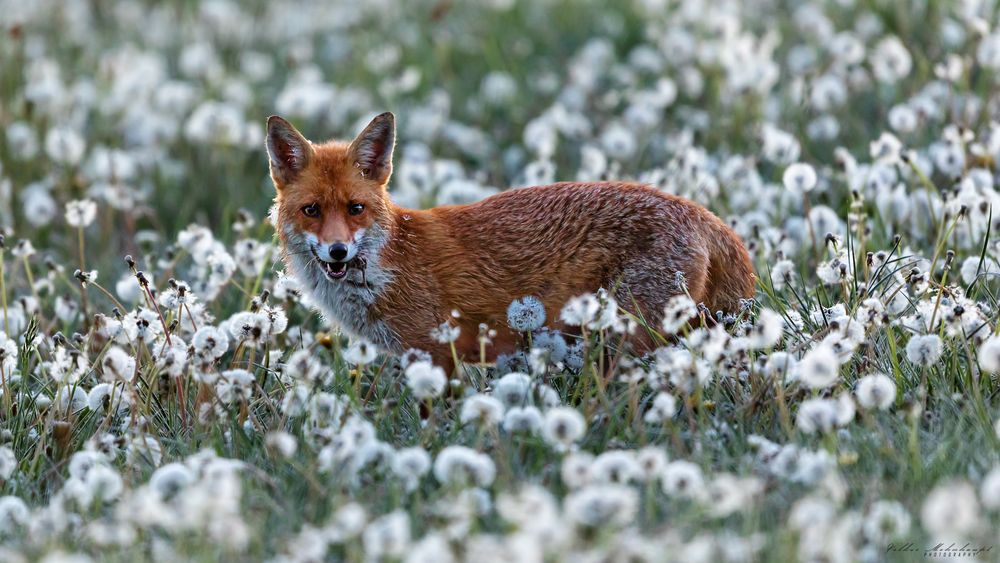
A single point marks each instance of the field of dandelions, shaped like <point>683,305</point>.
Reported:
<point>167,394</point>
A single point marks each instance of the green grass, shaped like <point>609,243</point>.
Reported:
<point>940,428</point>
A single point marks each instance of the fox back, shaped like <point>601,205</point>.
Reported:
<point>392,275</point>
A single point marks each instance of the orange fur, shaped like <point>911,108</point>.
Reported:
<point>552,242</point>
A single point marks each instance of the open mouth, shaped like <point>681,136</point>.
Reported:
<point>333,270</point>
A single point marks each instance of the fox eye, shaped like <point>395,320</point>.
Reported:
<point>311,210</point>
<point>355,208</point>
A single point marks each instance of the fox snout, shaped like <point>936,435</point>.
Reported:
<point>333,259</point>
<point>337,251</point>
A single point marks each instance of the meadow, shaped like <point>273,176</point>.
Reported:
<point>167,393</point>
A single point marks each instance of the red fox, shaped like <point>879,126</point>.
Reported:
<point>392,275</point>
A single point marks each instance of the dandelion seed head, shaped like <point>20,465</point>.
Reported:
<point>80,213</point>
<point>799,178</point>
<point>563,427</point>
<point>425,380</point>
<point>526,314</point>
<point>360,352</point>
<point>924,349</point>
<point>876,391</point>
<point>527,419</point>
<point>482,409</point>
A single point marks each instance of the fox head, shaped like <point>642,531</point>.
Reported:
<point>332,204</point>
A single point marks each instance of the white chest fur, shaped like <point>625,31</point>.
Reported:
<point>347,302</point>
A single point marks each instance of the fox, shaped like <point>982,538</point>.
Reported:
<point>391,275</point>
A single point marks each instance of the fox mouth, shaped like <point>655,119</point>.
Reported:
<point>333,270</point>
<point>338,270</point>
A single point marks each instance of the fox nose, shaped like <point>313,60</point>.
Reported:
<point>338,251</point>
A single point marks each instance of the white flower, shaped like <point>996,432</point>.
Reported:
<point>886,520</point>
<point>360,352</point>
<point>924,350</point>
<point>282,442</point>
<point>512,389</point>
<point>210,342</point>
<point>663,409</point>
<point>728,494</point>
<point>303,366</point>
<point>902,118</point>
<point>481,409</point>
<point>523,419</point>
<point>799,178</point>
<point>526,314</point>
<point>890,60</point>
<point>277,320</point>
<point>595,312</point>
<point>876,391</point>
<point>951,510</point>
<point>22,140</point>
<point>118,365</point>
<point>65,145</point>
<point>294,403</point>
<point>142,325</point>
<point>989,490</point>
<point>618,141</point>
<point>425,380</point>
<point>989,355</point>
<point>988,53</point>
<point>834,271</point>
<point>652,460</point>
<point>563,427</point>
<point>575,469</point>
<point>387,537</point>
<point>66,366</point>
<point>886,148</point>
<point>782,273</point>
<point>779,146</point>
<point>248,327</point>
<point>684,479</point>
<point>410,465</point>
<point>819,367</point>
<point>8,355</point>
<point>23,249</point>
<point>80,213</point>
<point>234,385</point>
<point>615,466</point>
<point>464,466</point>
<point>8,463</point>
<point>13,513</point>
<point>816,415</point>
<point>602,506</point>
<point>846,409</point>
<point>680,309</point>
<point>143,449</point>
<point>445,333</point>
<point>782,366</point>
<point>767,331</point>
<point>100,396</point>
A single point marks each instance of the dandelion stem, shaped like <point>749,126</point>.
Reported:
<point>3,289</point>
<point>83,291</point>
<point>783,414</point>
<point>108,294</point>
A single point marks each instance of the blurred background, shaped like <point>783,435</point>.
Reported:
<point>155,109</point>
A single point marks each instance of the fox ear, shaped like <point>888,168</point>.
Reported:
<point>372,149</point>
<point>288,151</point>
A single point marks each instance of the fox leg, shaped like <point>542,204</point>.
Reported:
<point>648,284</point>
